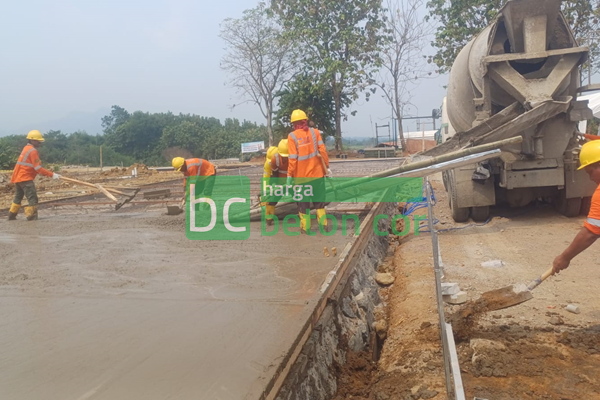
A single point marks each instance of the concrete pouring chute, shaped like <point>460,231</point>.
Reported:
<point>519,76</point>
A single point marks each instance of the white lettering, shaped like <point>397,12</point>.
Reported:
<point>213,211</point>
<point>228,203</point>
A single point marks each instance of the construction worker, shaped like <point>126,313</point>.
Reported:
<point>27,168</point>
<point>267,170</point>
<point>307,159</point>
<point>195,167</point>
<point>590,232</point>
<point>279,169</point>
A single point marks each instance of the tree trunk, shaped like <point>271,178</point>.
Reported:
<point>401,132</point>
<point>397,109</point>
<point>269,127</point>
<point>337,98</point>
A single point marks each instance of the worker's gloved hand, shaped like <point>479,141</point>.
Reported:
<point>290,181</point>
<point>55,176</point>
<point>329,173</point>
<point>182,202</point>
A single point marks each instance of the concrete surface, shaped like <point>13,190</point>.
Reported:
<point>123,306</point>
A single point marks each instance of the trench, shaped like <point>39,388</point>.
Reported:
<point>345,326</point>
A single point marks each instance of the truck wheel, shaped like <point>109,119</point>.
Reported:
<point>586,203</point>
<point>480,214</point>
<point>459,214</point>
<point>567,207</point>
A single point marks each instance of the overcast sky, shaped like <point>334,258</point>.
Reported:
<point>66,56</point>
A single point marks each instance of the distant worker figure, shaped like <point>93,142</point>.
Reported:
<point>27,168</point>
<point>307,159</point>
<point>590,162</point>
<point>196,167</point>
<point>267,170</point>
<point>279,169</point>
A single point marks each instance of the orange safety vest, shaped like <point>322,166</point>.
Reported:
<point>592,222</point>
<point>305,146</point>
<point>198,167</point>
<point>279,166</point>
<point>28,166</point>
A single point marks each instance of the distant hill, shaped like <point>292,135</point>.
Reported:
<point>76,121</point>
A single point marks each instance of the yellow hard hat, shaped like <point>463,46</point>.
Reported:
<point>178,163</point>
<point>35,135</point>
<point>590,153</point>
<point>298,115</point>
<point>271,152</point>
<point>283,148</point>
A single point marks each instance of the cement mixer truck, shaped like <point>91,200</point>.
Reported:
<point>519,76</point>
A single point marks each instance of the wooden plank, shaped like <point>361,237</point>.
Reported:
<point>106,192</point>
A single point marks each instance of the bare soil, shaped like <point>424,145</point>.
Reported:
<point>535,350</point>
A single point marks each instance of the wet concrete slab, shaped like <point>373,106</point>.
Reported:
<point>123,306</point>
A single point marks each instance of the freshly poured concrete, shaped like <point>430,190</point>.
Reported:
<point>123,306</point>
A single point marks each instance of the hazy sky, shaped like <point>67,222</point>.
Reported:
<point>65,56</point>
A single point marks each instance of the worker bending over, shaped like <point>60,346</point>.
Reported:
<point>196,167</point>
<point>307,159</point>
<point>590,162</point>
<point>27,168</point>
<point>279,169</point>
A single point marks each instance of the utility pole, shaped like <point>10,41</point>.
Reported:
<point>100,157</point>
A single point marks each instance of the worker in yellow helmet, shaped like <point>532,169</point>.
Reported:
<point>308,159</point>
<point>279,167</point>
<point>195,167</point>
<point>590,232</point>
<point>27,168</point>
<point>267,169</point>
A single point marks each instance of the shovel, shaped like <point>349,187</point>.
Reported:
<point>512,295</point>
<point>176,210</point>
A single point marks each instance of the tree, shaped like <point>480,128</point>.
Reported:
<point>460,20</point>
<point>340,43</point>
<point>402,61</point>
<point>258,58</point>
<point>314,98</point>
<point>118,116</point>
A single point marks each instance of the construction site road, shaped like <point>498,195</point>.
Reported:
<point>124,306</point>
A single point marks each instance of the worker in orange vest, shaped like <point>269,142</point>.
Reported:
<point>195,167</point>
<point>589,158</point>
<point>307,159</point>
<point>279,169</point>
<point>27,168</point>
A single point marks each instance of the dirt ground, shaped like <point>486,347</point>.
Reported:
<point>52,189</point>
<point>536,350</point>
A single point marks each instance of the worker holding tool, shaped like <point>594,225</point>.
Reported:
<point>279,169</point>
<point>307,159</point>
<point>590,162</point>
<point>195,167</point>
<point>27,168</point>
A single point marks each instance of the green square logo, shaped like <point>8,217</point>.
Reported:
<point>217,208</point>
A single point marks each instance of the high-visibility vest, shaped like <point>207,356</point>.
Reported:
<point>28,166</point>
<point>198,167</point>
<point>267,169</point>
<point>305,147</point>
<point>279,166</point>
<point>592,223</point>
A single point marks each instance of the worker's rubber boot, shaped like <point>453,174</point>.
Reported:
<point>270,211</point>
<point>14,210</point>
<point>31,213</point>
<point>321,214</point>
<point>304,223</point>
